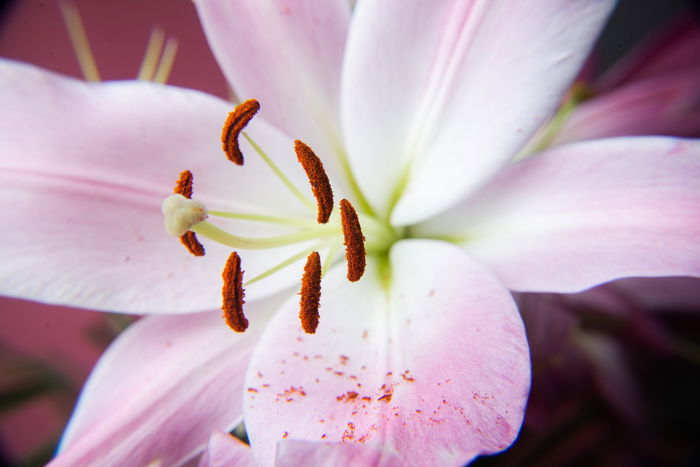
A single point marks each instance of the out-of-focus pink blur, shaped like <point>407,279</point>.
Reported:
<point>68,341</point>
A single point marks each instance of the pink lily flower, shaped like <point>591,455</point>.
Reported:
<point>422,361</point>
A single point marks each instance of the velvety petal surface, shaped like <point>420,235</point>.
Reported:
<point>287,54</point>
<point>225,450</point>
<point>85,168</point>
<point>584,214</point>
<point>161,388</point>
<point>668,104</point>
<point>431,370</point>
<point>429,122</point>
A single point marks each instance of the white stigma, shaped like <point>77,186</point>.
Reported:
<point>181,214</point>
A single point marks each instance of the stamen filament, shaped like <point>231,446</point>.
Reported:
<point>166,61</point>
<point>281,265</point>
<point>270,163</point>
<point>150,57</point>
<point>213,232</point>
<point>79,39</point>
<point>332,254</point>
<point>264,218</point>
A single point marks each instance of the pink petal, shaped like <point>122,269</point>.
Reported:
<point>432,371</point>
<point>84,169</point>
<point>667,104</point>
<point>226,450</point>
<point>161,388</point>
<point>287,54</point>
<point>445,93</point>
<point>584,214</point>
<point>293,453</point>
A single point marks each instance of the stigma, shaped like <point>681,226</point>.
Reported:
<point>186,217</point>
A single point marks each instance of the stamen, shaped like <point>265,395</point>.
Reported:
<point>233,293</point>
<point>150,57</point>
<point>79,39</point>
<point>310,293</point>
<point>184,184</point>
<point>354,241</point>
<point>179,218</point>
<point>320,184</point>
<point>166,61</point>
<point>189,239</point>
<point>235,123</point>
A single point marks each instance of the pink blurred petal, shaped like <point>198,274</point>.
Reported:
<point>584,214</point>
<point>85,168</point>
<point>434,372</point>
<point>668,104</point>
<point>475,83</point>
<point>161,388</point>
<point>225,450</point>
<point>288,55</point>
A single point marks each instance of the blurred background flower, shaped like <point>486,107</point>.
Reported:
<point>616,370</point>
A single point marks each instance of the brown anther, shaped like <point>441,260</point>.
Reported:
<point>354,241</point>
<point>310,293</point>
<point>189,239</point>
<point>184,184</point>
<point>192,244</point>
<point>233,293</point>
<point>235,123</point>
<point>318,179</point>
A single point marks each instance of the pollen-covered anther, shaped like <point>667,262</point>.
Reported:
<point>235,123</point>
<point>183,186</point>
<point>310,293</point>
<point>320,185</point>
<point>176,223</point>
<point>354,241</point>
<point>232,293</point>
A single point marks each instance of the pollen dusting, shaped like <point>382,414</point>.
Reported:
<point>386,397</point>
<point>354,241</point>
<point>320,185</point>
<point>285,435</point>
<point>406,375</point>
<point>310,293</point>
<point>235,123</point>
<point>349,433</point>
<point>233,293</point>
<point>288,393</point>
<point>347,397</point>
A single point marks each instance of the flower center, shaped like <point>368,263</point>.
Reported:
<point>186,218</point>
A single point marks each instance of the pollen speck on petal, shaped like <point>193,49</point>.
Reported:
<point>235,123</point>
<point>320,185</point>
<point>354,241</point>
<point>310,293</point>
<point>233,293</point>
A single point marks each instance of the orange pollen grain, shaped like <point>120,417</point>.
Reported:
<point>354,241</point>
<point>320,185</point>
<point>233,293</point>
<point>310,293</point>
<point>235,123</point>
<point>183,187</point>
